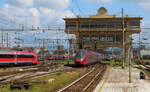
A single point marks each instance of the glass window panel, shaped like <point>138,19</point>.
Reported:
<point>119,38</point>
<point>84,24</point>
<point>134,24</point>
<point>70,25</point>
<point>110,38</point>
<point>102,38</point>
<point>94,37</point>
<point>86,38</point>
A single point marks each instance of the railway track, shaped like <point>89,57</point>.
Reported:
<point>31,74</point>
<point>143,64</point>
<point>20,84</point>
<point>147,66</point>
<point>29,69</point>
<point>84,83</point>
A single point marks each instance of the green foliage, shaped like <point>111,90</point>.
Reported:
<point>118,62</point>
<point>59,74</point>
<point>134,63</point>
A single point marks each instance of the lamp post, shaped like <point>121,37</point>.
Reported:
<point>130,62</point>
<point>68,46</point>
<point>123,33</point>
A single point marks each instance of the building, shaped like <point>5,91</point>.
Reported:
<point>102,30</point>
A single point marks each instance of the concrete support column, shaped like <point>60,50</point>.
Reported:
<point>77,41</point>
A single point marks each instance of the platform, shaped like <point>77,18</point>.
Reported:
<point>117,80</point>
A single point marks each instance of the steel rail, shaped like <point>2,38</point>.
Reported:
<point>61,90</point>
<point>99,73</point>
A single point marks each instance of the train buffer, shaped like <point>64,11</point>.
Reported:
<point>117,80</point>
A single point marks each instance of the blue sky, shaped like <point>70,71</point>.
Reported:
<point>132,8</point>
<point>2,3</point>
<point>44,13</point>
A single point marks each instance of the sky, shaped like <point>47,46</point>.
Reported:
<point>44,13</point>
<point>50,12</point>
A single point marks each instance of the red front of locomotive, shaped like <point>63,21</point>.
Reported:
<point>26,57</point>
<point>35,60</point>
<point>80,58</point>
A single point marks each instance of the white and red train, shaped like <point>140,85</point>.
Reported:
<point>85,57</point>
<point>17,57</point>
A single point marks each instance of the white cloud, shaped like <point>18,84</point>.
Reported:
<point>46,10</point>
<point>53,4</point>
<point>145,5</point>
<point>35,17</point>
<point>41,13</point>
<point>100,1</point>
<point>63,15</point>
<point>53,18</point>
<point>20,3</point>
<point>48,16</point>
<point>36,12</point>
<point>19,16</point>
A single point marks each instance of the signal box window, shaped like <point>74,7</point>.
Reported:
<point>134,24</point>
<point>118,38</point>
<point>102,38</point>
<point>86,38</point>
<point>94,37</point>
<point>71,25</point>
<point>110,38</point>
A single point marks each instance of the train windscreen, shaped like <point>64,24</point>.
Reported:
<point>80,54</point>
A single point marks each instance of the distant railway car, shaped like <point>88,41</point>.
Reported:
<point>17,57</point>
<point>60,57</point>
<point>85,57</point>
<point>145,56</point>
<point>56,57</point>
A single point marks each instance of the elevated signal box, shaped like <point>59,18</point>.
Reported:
<point>102,30</point>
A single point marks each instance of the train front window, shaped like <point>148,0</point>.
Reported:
<point>80,54</point>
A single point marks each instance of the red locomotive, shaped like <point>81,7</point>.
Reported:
<point>17,57</point>
<point>85,57</point>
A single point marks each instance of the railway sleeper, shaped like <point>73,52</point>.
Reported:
<point>95,78</point>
